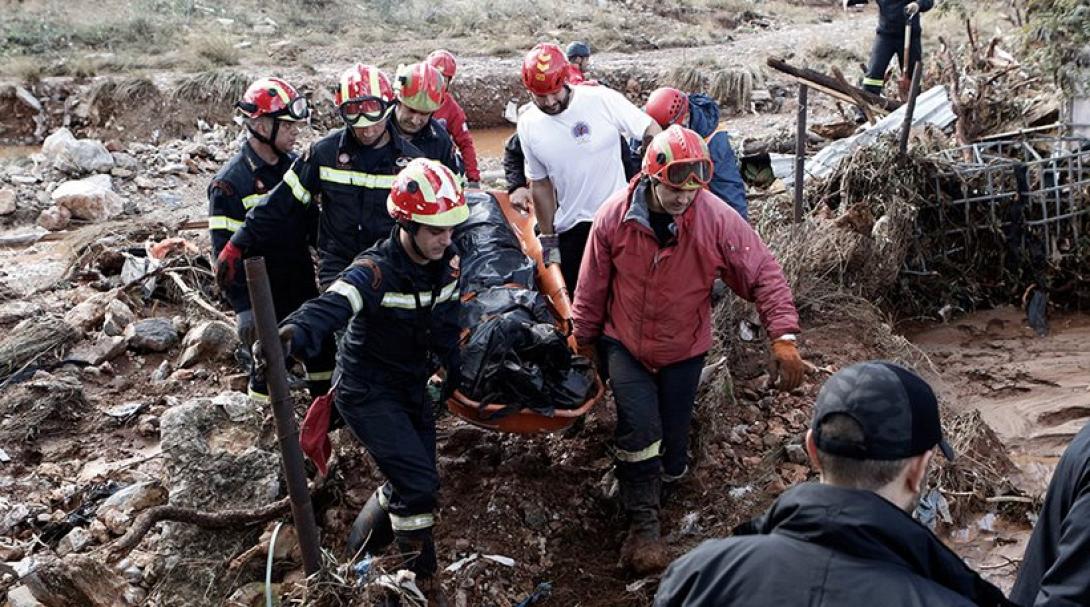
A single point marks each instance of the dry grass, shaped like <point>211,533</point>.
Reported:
<point>214,86</point>
<point>214,50</point>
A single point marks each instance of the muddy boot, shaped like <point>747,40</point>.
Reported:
<point>372,530</point>
<point>417,548</point>
<point>643,551</point>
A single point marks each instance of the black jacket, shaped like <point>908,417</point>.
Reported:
<point>397,312</point>
<point>821,545</point>
<point>891,16</point>
<point>434,142</point>
<point>239,186</point>
<point>1056,568</point>
<point>350,182</point>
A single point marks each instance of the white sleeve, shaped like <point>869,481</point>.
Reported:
<point>629,119</point>
<point>533,168</point>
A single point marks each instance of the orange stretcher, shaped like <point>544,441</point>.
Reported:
<point>550,282</point>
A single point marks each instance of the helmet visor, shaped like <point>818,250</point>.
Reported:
<point>687,174</point>
<point>370,109</point>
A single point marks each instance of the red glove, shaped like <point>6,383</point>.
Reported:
<point>227,265</point>
<point>788,365</point>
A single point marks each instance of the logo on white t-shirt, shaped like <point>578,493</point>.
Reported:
<point>581,132</point>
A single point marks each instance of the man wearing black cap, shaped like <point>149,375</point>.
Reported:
<point>848,540</point>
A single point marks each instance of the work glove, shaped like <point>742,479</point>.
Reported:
<point>911,9</point>
<point>287,332</point>
<point>521,201</point>
<point>550,248</point>
<point>247,330</point>
<point>228,265</point>
<point>787,365</point>
<point>589,351</point>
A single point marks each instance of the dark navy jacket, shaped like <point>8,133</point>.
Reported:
<point>239,186</point>
<point>891,16</point>
<point>397,312</point>
<point>434,142</point>
<point>727,181</point>
<point>1056,568</point>
<point>826,546</point>
<point>350,182</point>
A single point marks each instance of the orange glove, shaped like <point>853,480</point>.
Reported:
<point>787,365</point>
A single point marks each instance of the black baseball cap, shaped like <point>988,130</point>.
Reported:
<point>896,408</point>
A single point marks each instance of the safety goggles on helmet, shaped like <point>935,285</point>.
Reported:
<point>687,174</point>
<point>368,108</point>
<point>296,109</point>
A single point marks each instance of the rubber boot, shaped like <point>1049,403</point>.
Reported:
<point>643,551</point>
<point>417,548</point>
<point>372,530</point>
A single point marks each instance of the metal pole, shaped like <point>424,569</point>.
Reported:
<point>287,430</point>
<point>913,91</point>
<point>800,151</point>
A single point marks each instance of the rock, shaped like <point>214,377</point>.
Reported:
<point>152,335</point>
<point>89,313</point>
<point>119,510</point>
<point>122,173</point>
<point>162,372</point>
<point>206,453</point>
<point>15,311</point>
<point>103,349</point>
<point>796,454</point>
<point>118,316</point>
<point>7,201</point>
<point>125,161</point>
<point>174,168</point>
<point>144,183</point>
<point>181,324</point>
<point>73,155</point>
<point>91,199</point>
<point>99,531</point>
<point>212,340</point>
<point>169,199</point>
<point>76,579</point>
<point>76,540</point>
<point>20,596</point>
<point>183,375</point>
<point>55,218</point>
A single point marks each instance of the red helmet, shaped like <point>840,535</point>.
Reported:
<point>275,98</point>
<point>364,96</point>
<point>419,87</point>
<point>679,158</point>
<point>444,61</point>
<point>545,69</point>
<point>667,106</point>
<point>428,193</point>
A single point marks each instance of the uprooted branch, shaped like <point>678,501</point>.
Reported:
<point>208,520</point>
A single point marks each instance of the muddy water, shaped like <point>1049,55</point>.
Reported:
<point>1033,391</point>
<point>17,151</point>
<point>489,141</point>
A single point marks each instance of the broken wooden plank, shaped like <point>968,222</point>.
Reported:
<point>824,82</point>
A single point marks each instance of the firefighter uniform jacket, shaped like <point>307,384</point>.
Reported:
<point>400,311</point>
<point>240,185</point>
<point>350,182</point>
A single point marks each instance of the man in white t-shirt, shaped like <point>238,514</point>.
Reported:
<point>570,140</point>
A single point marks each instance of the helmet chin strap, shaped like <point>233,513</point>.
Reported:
<point>269,141</point>
<point>412,228</point>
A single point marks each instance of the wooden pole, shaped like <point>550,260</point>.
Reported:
<point>800,151</point>
<point>287,430</point>
<point>913,91</point>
